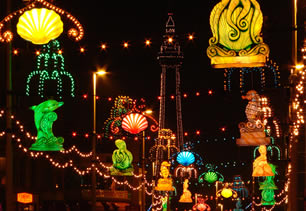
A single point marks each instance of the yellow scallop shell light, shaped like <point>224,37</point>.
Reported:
<point>39,26</point>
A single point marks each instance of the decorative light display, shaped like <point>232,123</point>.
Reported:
<point>211,175</point>
<point>185,158</point>
<point>298,99</point>
<point>269,66</point>
<point>122,160</point>
<point>134,123</point>
<point>50,66</point>
<point>200,203</point>
<point>252,132</point>
<point>269,149</point>
<point>77,33</point>
<point>186,196</point>
<point>25,198</point>
<point>236,41</point>
<point>123,106</point>
<point>239,187</point>
<point>44,118</point>
<point>261,167</point>
<point>39,26</point>
<point>238,205</point>
<point>164,183</point>
<point>185,167</point>
<point>226,192</point>
<point>268,186</point>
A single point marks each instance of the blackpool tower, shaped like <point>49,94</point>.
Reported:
<point>170,58</point>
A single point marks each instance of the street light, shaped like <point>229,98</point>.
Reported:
<point>94,139</point>
<point>148,112</point>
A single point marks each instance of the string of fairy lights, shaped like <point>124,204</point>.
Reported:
<point>99,164</point>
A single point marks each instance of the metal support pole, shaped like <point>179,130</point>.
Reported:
<point>292,195</point>
<point>94,136</point>
<point>10,205</point>
<point>143,203</point>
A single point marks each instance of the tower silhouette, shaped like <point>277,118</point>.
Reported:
<point>170,57</point>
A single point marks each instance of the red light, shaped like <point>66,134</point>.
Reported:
<point>185,95</point>
<point>99,136</point>
<point>149,137</point>
<point>210,92</point>
<point>111,137</point>
<point>86,135</point>
<point>74,134</point>
<point>123,137</point>
<point>185,134</point>
<point>197,93</point>
<point>85,96</point>
<point>223,129</point>
<point>172,97</point>
<point>136,138</point>
<point>97,97</point>
<point>198,132</point>
<point>109,99</point>
<point>159,97</point>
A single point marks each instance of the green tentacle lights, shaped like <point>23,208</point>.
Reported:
<point>268,186</point>
<point>44,118</point>
<point>50,66</point>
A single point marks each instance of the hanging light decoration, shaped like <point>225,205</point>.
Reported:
<point>39,26</point>
<point>134,123</point>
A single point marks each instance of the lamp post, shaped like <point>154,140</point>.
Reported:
<point>94,140</point>
<point>143,204</point>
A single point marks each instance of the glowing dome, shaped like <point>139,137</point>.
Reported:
<point>39,26</point>
<point>185,158</point>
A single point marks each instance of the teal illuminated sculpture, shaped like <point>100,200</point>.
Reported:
<point>268,186</point>
<point>122,160</point>
<point>44,118</point>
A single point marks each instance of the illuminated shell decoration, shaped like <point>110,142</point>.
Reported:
<point>134,123</point>
<point>39,26</point>
<point>185,158</point>
<point>211,177</point>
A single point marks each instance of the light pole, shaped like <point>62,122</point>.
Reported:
<point>94,140</point>
<point>143,204</point>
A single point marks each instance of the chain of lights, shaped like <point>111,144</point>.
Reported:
<point>269,66</point>
<point>77,33</point>
<point>298,101</point>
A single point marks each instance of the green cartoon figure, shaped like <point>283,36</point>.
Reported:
<point>122,160</point>
<point>44,118</point>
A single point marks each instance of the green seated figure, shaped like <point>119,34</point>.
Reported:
<point>44,118</point>
<point>122,160</point>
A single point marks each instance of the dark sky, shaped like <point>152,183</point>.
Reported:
<point>136,72</point>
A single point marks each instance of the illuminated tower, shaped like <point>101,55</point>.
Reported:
<point>170,58</point>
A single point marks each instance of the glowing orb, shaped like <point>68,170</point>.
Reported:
<point>134,123</point>
<point>39,26</point>
<point>185,158</point>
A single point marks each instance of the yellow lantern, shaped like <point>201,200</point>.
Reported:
<point>39,26</point>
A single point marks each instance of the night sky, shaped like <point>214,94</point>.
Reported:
<point>135,71</point>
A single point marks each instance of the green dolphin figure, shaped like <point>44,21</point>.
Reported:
<point>44,118</point>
